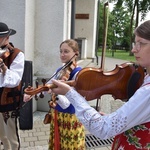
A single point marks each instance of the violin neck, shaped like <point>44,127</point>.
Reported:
<point>70,83</point>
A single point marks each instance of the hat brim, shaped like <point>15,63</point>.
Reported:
<point>11,32</point>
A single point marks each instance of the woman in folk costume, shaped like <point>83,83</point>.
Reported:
<point>66,132</point>
<point>130,124</point>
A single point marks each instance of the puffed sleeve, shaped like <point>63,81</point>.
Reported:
<point>13,75</point>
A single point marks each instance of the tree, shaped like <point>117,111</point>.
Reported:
<point>120,22</point>
<point>138,8</point>
<point>118,28</point>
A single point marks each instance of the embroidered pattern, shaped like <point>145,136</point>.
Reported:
<point>135,138</point>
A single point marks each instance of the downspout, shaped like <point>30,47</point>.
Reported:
<point>73,4</point>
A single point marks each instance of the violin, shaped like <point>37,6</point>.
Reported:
<point>6,51</point>
<point>92,83</point>
<point>34,91</point>
<point>121,82</point>
<point>62,74</point>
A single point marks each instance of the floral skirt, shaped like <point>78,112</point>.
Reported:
<point>70,130</point>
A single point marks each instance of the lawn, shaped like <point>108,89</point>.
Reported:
<point>119,54</point>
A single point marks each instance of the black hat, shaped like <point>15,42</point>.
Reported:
<point>5,31</point>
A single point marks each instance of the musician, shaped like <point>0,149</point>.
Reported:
<point>11,71</point>
<point>66,132</point>
<point>70,131</point>
<point>130,124</point>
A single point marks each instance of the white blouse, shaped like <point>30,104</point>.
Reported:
<point>13,75</point>
<point>134,112</point>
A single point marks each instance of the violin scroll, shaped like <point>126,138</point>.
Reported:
<point>6,51</point>
<point>31,91</point>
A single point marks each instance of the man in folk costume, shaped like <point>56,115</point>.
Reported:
<point>11,71</point>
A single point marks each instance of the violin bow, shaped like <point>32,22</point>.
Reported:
<point>104,35</point>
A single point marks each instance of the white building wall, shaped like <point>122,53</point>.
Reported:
<point>29,29</point>
<point>67,19</point>
<point>41,26</point>
<point>13,14</point>
<point>86,28</point>
<point>48,36</point>
<point>51,28</point>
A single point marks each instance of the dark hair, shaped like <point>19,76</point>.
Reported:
<point>73,44</point>
<point>143,30</point>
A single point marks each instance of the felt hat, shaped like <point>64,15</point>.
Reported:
<point>5,31</point>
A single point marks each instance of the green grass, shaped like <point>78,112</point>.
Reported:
<point>119,54</point>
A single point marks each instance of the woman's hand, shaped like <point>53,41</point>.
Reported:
<point>61,88</point>
<point>102,113</point>
<point>27,97</point>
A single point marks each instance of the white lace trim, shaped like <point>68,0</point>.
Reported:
<point>101,126</point>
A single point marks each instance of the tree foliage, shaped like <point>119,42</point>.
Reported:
<point>118,28</point>
<point>138,9</point>
<point>123,20</point>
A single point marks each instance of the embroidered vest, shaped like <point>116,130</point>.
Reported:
<point>9,97</point>
<point>137,138</point>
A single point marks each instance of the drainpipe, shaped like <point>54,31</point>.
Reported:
<point>73,4</point>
